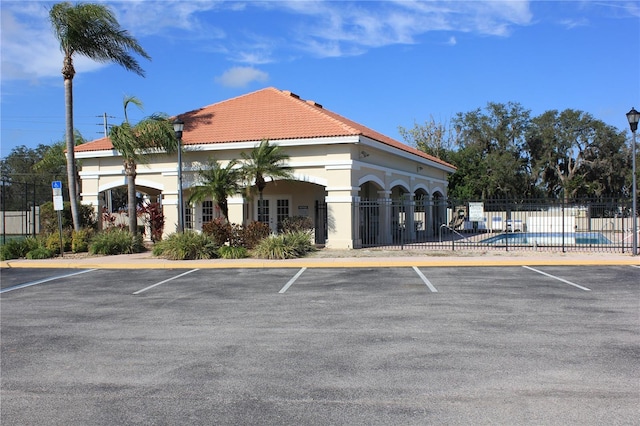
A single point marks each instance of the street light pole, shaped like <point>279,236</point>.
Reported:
<point>178,126</point>
<point>633,117</point>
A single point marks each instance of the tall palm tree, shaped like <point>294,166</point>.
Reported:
<point>89,30</point>
<point>265,160</point>
<point>152,135</point>
<point>218,183</point>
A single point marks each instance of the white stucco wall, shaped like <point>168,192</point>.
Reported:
<point>327,172</point>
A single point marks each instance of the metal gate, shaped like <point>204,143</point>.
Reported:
<point>321,231</point>
<point>446,224</point>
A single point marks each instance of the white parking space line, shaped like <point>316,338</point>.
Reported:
<point>165,281</point>
<point>426,281</point>
<point>557,278</point>
<point>635,266</point>
<point>292,280</point>
<point>19,286</point>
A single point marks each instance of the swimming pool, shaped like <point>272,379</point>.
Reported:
<point>548,238</point>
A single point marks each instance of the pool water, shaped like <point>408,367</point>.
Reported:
<point>548,238</point>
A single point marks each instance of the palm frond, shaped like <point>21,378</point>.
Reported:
<point>93,31</point>
<point>218,183</point>
<point>265,160</point>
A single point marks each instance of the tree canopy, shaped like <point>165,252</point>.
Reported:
<point>265,160</point>
<point>218,183</point>
<point>502,152</point>
<point>27,173</point>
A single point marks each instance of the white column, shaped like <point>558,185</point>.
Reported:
<point>342,221</point>
<point>428,213</point>
<point>410,227</point>
<point>384,202</point>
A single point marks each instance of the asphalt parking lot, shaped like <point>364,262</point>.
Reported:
<point>318,346</point>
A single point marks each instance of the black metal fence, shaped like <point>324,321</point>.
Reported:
<point>603,225</point>
<point>20,202</point>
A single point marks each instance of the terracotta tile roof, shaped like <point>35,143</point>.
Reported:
<point>267,114</point>
<point>95,145</point>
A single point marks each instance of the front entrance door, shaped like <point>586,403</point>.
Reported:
<point>272,210</point>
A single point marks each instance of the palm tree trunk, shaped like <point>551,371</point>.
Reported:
<point>130,170</point>
<point>71,158</point>
<point>224,208</point>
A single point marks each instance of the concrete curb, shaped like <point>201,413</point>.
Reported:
<point>133,262</point>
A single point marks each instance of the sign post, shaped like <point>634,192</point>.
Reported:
<point>58,205</point>
<point>476,214</point>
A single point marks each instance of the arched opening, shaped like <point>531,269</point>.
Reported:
<point>113,209</point>
<point>439,211</point>
<point>369,212</point>
<point>421,214</point>
<point>401,214</point>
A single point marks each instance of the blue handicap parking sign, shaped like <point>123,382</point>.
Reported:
<point>56,184</point>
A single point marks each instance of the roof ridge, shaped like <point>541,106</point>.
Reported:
<point>320,110</point>
<point>369,132</point>
<point>224,101</point>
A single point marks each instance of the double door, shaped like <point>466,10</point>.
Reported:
<point>272,210</point>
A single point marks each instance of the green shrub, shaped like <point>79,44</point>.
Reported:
<point>158,248</point>
<point>289,245</point>
<point>116,241</point>
<point>19,247</point>
<point>12,249</point>
<point>254,232</point>
<point>31,243</point>
<point>233,252</point>
<point>52,241</point>
<point>219,229</point>
<point>49,217</point>
<point>40,252</point>
<point>80,240</point>
<point>274,247</point>
<point>188,245</point>
<point>301,241</point>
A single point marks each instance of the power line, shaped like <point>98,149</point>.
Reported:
<point>105,124</point>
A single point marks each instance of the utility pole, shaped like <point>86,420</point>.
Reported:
<point>105,123</point>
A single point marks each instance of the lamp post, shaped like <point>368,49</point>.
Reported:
<point>178,125</point>
<point>633,117</point>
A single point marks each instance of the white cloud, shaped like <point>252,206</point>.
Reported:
<point>574,23</point>
<point>143,18</point>
<point>312,27</point>
<point>29,49</point>
<point>346,28</point>
<point>241,77</point>
<point>254,49</point>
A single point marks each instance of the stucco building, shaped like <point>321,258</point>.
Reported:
<point>346,174</point>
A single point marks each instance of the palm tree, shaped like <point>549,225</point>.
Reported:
<point>53,161</point>
<point>89,30</point>
<point>152,135</point>
<point>265,160</point>
<point>218,183</point>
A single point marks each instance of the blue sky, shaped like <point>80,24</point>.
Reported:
<point>383,64</point>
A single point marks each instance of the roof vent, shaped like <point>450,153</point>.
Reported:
<point>314,103</point>
<point>290,93</point>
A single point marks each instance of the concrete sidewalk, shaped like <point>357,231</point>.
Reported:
<point>327,258</point>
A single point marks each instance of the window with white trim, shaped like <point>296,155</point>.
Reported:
<point>207,211</point>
